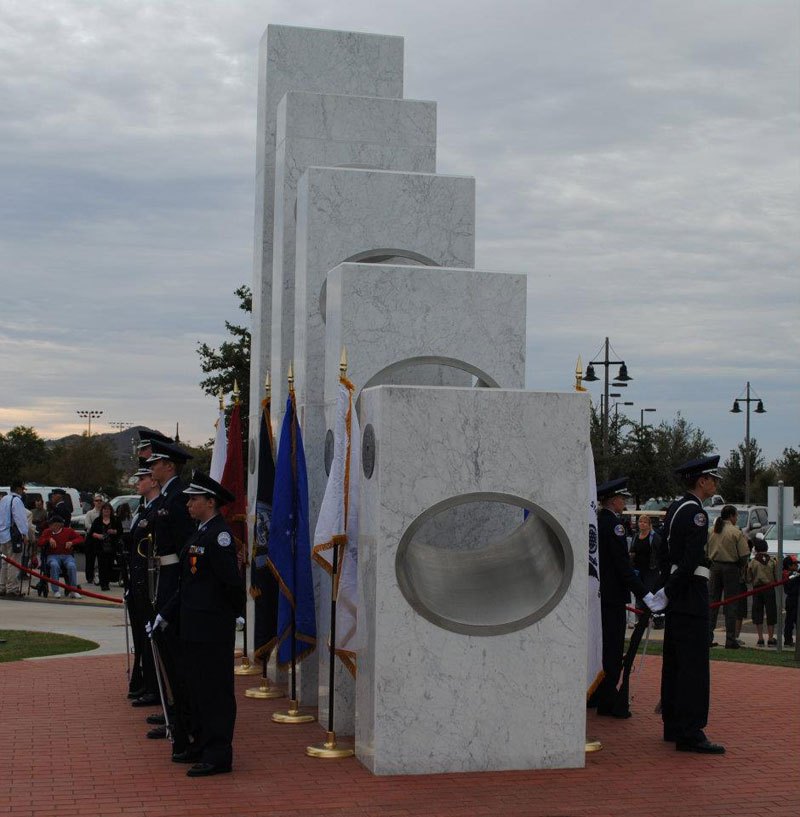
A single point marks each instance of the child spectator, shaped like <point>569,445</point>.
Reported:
<point>761,571</point>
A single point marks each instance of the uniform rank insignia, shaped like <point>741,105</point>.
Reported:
<point>619,530</point>
<point>700,520</point>
<point>224,539</point>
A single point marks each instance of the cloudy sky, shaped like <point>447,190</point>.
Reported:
<point>639,161</point>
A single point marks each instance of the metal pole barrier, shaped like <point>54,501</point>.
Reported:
<point>779,623</point>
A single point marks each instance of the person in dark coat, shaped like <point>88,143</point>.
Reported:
<point>685,677</point>
<point>204,610</point>
<point>617,581</point>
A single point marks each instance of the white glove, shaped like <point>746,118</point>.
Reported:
<point>148,628</point>
<point>239,622</point>
<point>160,622</point>
<point>656,601</point>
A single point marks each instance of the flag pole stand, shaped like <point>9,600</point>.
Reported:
<point>329,748</point>
<point>246,668</point>
<point>293,715</point>
<point>265,691</point>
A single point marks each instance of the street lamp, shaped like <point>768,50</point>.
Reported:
<point>88,414</point>
<point>759,409</point>
<point>621,381</point>
<point>641,417</point>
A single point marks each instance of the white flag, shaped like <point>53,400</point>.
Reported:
<point>594,641</point>
<point>338,522</point>
<point>220,451</point>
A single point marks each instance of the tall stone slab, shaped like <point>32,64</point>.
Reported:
<point>473,636</point>
<point>327,130</point>
<point>300,59</point>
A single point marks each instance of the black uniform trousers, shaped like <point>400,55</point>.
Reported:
<point>140,611</point>
<point>171,651</point>
<point>685,681</point>
<point>209,678</point>
<point>614,620</point>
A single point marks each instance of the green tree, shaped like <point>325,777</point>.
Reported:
<point>85,463</point>
<point>231,361</point>
<point>733,472</point>
<point>787,468</point>
<point>24,454</point>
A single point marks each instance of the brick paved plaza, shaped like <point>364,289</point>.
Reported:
<point>72,745</point>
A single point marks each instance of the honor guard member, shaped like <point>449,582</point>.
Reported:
<point>143,687</point>
<point>146,437</point>
<point>172,527</point>
<point>204,611</point>
<point>617,581</point>
<point>685,685</point>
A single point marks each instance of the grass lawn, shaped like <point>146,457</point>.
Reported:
<point>745,655</point>
<point>25,644</point>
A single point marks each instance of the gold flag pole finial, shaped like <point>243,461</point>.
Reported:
<point>343,363</point>
<point>221,396</point>
<point>236,392</point>
<point>267,386</point>
<point>579,375</point>
<point>290,378</point>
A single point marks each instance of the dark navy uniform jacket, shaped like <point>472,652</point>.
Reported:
<point>617,577</point>
<point>172,525</point>
<point>141,527</point>
<point>211,593</point>
<point>686,527</point>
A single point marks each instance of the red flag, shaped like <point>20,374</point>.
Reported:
<point>235,512</point>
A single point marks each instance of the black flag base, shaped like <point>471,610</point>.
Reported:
<point>593,746</point>
<point>294,715</point>
<point>246,668</point>
<point>330,749</point>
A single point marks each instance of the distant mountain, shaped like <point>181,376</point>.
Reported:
<point>123,444</point>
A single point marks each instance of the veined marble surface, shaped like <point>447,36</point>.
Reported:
<point>385,314</point>
<point>301,59</point>
<point>333,130</point>
<point>432,700</point>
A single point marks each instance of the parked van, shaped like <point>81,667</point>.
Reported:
<point>34,492</point>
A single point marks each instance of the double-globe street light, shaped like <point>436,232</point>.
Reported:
<point>759,409</point>
<point>621,381</point>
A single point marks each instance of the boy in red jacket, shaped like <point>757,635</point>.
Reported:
<point>59,541</point>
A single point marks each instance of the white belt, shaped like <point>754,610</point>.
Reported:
<point>169,559</point>
<point>701,571</point>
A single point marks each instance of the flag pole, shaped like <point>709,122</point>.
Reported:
<point>265,691</point>
<point>329,749</point>
<point>245,668</point>
<point>294,715</point>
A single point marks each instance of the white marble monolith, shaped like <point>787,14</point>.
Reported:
<point>472,626</point>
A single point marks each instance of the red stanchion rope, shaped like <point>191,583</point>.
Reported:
<point>731,600</point>
<point>67,587</point>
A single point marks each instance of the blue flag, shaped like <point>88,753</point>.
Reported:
<point>290,545</point>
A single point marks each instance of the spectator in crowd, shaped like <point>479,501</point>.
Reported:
<point>791,591</point>
<point>646,554</point>
<point>761,571</point>
<point>13,536</point>
<point>91,551</point>
<point>59,505</point>
<point>105,535</point>
<point>59,541</point>
<point>39,516</point>
<point>729,552</point>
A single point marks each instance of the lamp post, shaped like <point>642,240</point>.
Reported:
<point>621,380</point>
<point>88,414</point>
<point>759,409</point>
<point>641,417</point>
<point>119,425</point>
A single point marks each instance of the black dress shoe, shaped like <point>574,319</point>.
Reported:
<point>156,719</point>
<point>158,733</point>
<point>147,699</point>
<point>206,769</point>
<point>732,645</point>
<point>136,693</point>
<point>704,747</point>
<point>615,713</point>
<point>186,756</point>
